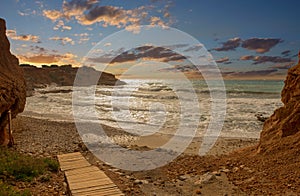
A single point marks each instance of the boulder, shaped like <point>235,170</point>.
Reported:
<point>12,84</point>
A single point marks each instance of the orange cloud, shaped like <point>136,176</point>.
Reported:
<point>13,35</point>
<point>41,58</point>
<point>67,58</point>
<point>52,14</point>
<point>90,12</point>
<point>222,60</point>
<point>61,25</point>
<point>63,40</point>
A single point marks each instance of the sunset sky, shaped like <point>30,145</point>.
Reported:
<point>258,39</point>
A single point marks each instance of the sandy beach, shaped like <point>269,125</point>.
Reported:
<point>44,138</point>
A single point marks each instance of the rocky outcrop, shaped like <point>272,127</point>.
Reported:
<point>282,129</point>
<point>63,76</point>
<point>12,83</point>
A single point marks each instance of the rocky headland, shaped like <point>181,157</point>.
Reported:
<point>40,77</point>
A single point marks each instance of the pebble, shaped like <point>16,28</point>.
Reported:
<point>145,181</point>
<point>217,173</point>
<point>46,154</point>
<point>137,182</point>
<point>235,169</point>
<point>183,177</point>
<point>65,185</point>
<point>206,178</point>
<point>198,191</point>
<point>225,170</point>
<point>114,170</point>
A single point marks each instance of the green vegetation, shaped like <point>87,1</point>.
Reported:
<point>8,190</point>
<point>17,167</point>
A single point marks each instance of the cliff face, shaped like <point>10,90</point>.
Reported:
<point>12,83</point>
<point>282,129</point>
<point>62,76</point>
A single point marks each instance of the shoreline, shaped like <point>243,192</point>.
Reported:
<point>67,135</point>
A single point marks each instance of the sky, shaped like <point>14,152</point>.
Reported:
<point>246,39</point>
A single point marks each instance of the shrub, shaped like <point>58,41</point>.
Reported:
<point>23,167</point>
<point>52,164</point>
<point>8,190</point>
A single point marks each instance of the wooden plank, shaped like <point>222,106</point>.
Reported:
<point>75,156</point>
<point>72,159</point>
<point>98,191</point>
<point>74,166</point>
<point>91,169</point>
<point>85,179</point>
<point>69,156</point>
<point>85,172</point>
<point>86,175</point>
<point>77,164</point>
<point>90,189</point>
<point>86,184</point>
<point>82,162</point>
<point>91,183</point>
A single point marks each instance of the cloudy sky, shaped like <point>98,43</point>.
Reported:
<point>248,39</point>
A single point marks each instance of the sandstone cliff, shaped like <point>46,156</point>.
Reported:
<point>282,129</point>
<point>12,82</point>
<point>273,166</point>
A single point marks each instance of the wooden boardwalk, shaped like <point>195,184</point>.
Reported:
<point>84,179</point>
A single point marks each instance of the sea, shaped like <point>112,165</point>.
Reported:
<point>144,107</point>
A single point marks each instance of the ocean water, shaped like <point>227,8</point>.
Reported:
<point>145,107</point>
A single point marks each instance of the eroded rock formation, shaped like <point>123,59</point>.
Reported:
<point>12,84</point>
<point>282,129</point>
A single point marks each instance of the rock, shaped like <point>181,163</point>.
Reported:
<point>249,179</point>
<point>216,173</point>
<point>260,117</point>
<point>206,178</point>
<point>145,181</point>
<point>12,84</point>
<point>137,182</point>
<point>114,170</point>
<point>235,169</point>
<point>225,170</point>
<point>183,177</point>
<point>285,120</point>
<point>65,185</point>
<point>198,192</point>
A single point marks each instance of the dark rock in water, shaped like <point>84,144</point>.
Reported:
<point>56,91</point>
<point>260,117</point>
<point>12,84</point>
<point>64,76</point>
<point>285,121</point>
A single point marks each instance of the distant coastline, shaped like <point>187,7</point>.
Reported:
<point>64,75</point>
